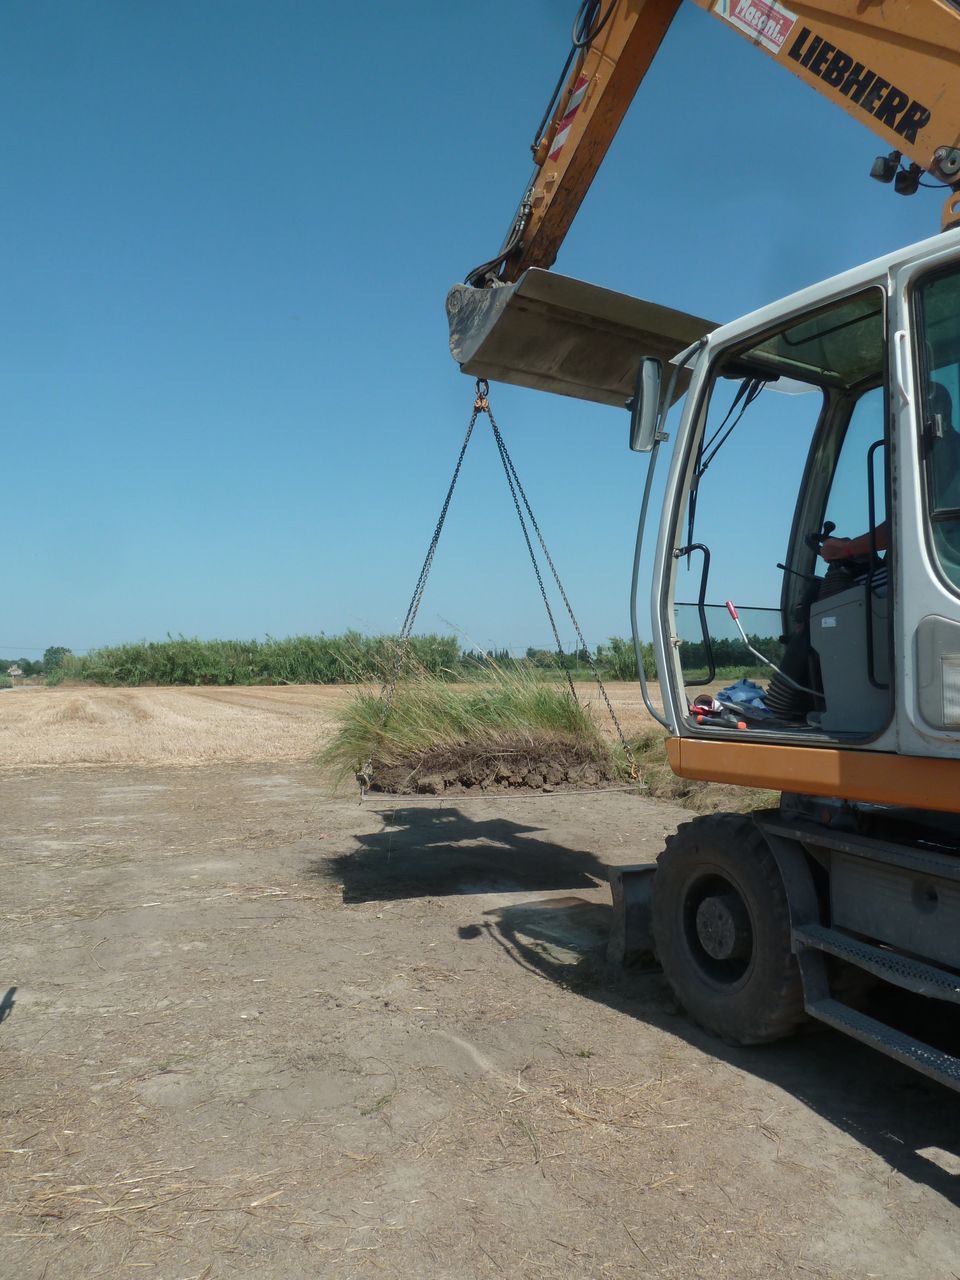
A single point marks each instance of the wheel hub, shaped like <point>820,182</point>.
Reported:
<point>723,927</point>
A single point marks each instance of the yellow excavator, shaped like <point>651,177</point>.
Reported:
<point>843,903</point>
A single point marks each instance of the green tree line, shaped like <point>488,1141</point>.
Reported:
<point>353,658</point>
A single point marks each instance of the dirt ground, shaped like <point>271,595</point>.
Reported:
<point>254,1030</point>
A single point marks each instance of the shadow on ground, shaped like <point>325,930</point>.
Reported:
<point>7,1003</point>
<point>425,851</point>
<point>893,1110</point>
<point>433,852</point>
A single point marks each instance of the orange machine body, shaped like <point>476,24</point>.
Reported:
<point>893,66</point>
<point>917,782</point>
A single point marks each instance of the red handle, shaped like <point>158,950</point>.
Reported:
<point>732,610</point>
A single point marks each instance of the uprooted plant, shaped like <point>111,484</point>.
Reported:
<point>508,729</point>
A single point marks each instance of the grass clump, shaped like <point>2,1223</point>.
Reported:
<point>509,729</point>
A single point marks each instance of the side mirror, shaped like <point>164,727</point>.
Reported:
<point>645,405</point>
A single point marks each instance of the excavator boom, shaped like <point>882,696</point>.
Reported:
<point>894,67</point>
<point>603,82</point>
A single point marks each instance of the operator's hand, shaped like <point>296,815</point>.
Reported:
<point>835,549</point>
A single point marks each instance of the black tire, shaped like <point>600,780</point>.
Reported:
<point>721,929</point>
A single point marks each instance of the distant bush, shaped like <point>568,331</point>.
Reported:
<point>53,658</point>
<point>5,682</point>
<point>618,660</point>
<point>26,667</point>
<point>348,659</point>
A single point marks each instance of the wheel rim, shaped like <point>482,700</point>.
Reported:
<point>717,929</point>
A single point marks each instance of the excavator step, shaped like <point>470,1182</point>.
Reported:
<point>631,937</point>
<point>891,966</point>
<point>940,1066</point>
<point>926,862</point>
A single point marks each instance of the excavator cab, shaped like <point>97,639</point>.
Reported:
<point>830,412</point>
<point>785,443</point>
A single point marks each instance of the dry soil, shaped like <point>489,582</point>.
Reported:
<point>254,1030</point>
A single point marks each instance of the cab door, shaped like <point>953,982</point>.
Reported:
<point>786,421</point>
<point>925,358</point>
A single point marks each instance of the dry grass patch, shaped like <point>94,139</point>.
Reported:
<point>508,730</point>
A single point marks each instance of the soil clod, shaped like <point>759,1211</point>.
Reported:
<point>510,765</point>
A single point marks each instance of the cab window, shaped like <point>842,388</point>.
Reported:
<point>938,310</point>
<point>860,466</point>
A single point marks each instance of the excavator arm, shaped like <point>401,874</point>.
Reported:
<point>893,66</point>
<point>614,42</point>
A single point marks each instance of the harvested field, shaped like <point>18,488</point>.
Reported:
<point>89,725</point>
<point>86,725</point>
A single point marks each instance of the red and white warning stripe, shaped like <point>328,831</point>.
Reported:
<point>579,89</point>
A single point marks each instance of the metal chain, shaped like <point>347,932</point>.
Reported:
<point>514,479</point>
<point>388,691</point>
<point>389,688</point>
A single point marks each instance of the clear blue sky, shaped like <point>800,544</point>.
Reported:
<point>228,229</point>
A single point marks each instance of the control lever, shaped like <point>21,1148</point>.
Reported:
<point>806,577</point>
<point>815,540</point>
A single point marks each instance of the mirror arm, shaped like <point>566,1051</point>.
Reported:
<point>644,405</point>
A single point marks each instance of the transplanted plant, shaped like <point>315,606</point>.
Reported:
<point>510,709</point>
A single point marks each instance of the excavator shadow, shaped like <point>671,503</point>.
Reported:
<point>7,1003</point>
<point>420,850</point>
<point>434,851</point>
<point>912,1123</point>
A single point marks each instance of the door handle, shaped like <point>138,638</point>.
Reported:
<point>901,348</point>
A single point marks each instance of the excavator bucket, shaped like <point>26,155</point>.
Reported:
<point>556,334</point>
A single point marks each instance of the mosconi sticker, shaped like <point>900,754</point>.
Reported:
<point>878,97</point>
<point>766,21</point>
